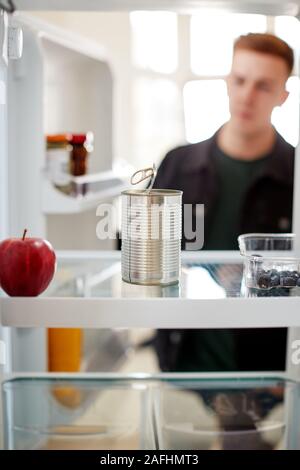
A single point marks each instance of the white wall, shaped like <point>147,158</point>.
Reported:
<point>112,31</point>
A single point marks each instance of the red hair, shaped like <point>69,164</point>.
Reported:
<point>266,44</point>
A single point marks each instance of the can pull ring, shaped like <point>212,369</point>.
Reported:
<point>142,175</point>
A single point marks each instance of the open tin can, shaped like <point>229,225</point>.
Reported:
<point>151,236</point>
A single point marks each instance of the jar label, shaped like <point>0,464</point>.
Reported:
<point>58,166</point>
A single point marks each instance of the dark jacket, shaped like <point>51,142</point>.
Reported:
<point>267,207</point>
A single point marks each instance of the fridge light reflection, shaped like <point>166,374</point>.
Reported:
<point>201,285</point>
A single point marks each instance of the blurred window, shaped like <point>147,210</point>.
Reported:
<point>154,40</point>
<point>212,38</point>
<point>182,97</point>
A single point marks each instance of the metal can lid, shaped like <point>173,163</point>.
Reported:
<point>152,192</point>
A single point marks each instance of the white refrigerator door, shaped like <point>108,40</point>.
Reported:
<point>3,165</point>
<point>3,127</point>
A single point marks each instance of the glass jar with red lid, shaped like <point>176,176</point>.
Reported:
<point>81,146</point>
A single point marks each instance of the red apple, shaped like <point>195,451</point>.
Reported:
<point>27,266</point>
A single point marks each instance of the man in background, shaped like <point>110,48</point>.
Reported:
<point>244,177</point>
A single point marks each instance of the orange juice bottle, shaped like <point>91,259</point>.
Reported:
<point>64,349</point>
<point>64,355</point>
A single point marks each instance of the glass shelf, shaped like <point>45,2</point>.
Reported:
<point>200,279</point>
<point>102,278</point>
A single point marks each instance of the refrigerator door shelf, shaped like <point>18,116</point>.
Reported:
<point>87,193</point>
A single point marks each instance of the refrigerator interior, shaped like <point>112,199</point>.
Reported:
<point>46,95</point>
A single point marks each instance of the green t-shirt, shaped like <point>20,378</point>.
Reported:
<point>214,350</point>
<point>234,179</point>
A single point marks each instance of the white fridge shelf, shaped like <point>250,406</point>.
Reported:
<point>88,292</point>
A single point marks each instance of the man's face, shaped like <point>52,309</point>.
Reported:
<point>256,84</point>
